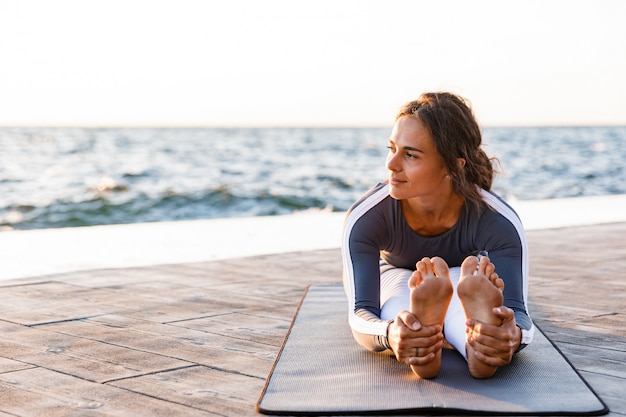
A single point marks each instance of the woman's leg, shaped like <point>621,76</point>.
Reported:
<point>394,291</point>
<point>454,323</point>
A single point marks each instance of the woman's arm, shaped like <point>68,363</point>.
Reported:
<point>364,234</point>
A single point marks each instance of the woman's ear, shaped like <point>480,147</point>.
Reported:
<point>461,162</point>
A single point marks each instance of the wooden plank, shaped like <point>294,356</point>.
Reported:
<point>244,326</point>
<point>186,310</point>
<point>9,365</point>
<point>611,389</point>
<point>286,291</point>
<point>175,342</point>
<point>42,392</point>
<point>150,309</point>
<point>229,394</point>
<point>47,302</point>
<point>584,337</point>
<point>89,359</point>
<point>597,360</point>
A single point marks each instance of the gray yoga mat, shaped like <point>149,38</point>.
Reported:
<point>321,370</point>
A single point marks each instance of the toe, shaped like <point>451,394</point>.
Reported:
<point>469,265</point>
<point>415,279</point>
<point>425,266</point>
<point>440,267</point>
<point>499,283</point>
<point>489,269</point>
<point>483,266</point>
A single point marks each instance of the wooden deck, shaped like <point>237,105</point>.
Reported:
<point>200,339</point>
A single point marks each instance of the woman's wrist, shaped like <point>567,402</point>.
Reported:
<point>518,339</point>
<point>386,343</point>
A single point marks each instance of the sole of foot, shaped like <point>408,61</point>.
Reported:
<point>431,292</point>
<point>480,290</point>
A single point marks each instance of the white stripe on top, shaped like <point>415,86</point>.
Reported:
<point>358,324</point>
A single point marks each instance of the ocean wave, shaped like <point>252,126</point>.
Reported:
<point>78,177</point>
<point>103,208</point>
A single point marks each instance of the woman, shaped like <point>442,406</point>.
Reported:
<point>411,244</point>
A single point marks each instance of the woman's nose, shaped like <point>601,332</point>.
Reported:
<point>392,164</point>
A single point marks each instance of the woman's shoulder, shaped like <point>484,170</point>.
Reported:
<point>498,217</point>
<point>372,198</point>
<point>497,206</point>
<point>371,214</point>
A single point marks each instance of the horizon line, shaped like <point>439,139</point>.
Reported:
<point>282,126</point>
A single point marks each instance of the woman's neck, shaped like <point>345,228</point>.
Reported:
<point>432,218</point>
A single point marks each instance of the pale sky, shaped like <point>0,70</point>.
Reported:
<point>308,63</point>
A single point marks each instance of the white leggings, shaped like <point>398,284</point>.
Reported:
<point>395,297</point>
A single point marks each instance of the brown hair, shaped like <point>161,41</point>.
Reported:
<point>456,134</point>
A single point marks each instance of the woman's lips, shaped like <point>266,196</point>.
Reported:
<point>395,181</point>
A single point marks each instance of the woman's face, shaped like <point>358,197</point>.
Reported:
<point>415,167</point>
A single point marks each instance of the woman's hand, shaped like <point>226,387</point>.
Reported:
<point>411,342</point>
<point>495,345</point>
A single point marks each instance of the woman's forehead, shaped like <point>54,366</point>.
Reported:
<point>411,131</point>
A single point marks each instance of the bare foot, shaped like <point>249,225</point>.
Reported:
<point>431,291</point>
<point>480,291</point>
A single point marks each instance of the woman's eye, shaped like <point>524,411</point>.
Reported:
<point>410,155</point>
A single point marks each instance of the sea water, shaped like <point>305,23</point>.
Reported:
<point>60,177</point>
